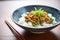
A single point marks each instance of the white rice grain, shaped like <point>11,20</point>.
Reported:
<point>29,24</point>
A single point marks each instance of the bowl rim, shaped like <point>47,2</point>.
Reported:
<point>34,27</point>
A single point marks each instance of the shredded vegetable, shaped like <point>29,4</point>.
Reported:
<point>38,17</point>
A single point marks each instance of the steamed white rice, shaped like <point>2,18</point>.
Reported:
<point>29,24</point>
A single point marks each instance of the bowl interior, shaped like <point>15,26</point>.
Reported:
<point>18,12</point>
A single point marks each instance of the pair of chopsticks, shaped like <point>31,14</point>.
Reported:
<point>15,32</point>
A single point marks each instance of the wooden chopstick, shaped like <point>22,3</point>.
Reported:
<point>15,32</point>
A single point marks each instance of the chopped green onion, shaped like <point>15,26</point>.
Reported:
<point>35,24</point>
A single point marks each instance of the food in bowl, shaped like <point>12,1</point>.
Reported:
<point>37,18</point>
